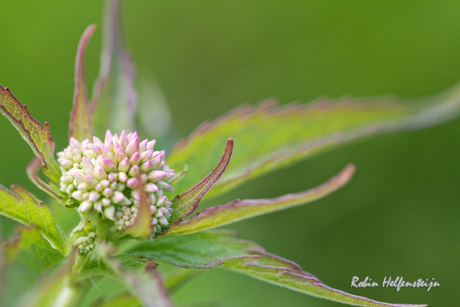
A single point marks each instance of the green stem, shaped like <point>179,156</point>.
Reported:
<point>71,294</point>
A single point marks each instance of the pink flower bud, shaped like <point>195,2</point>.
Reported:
<point>85,206</point>
<point>134,171</point>
<point>132,147</point>
<point>154,176</point>
<point>122,177</point>
<point>151,188</point>
<point>151,144</point>
<point>108,137</point>
<point>124,165</point>
<point>113,177</point>
<point>132,183</point>
<point>93,196</point>
<point>120,155</point>
<point>109,165</point>
<point>118,197</point>
<point>143,145</point>
<point>135,159</point>
<point>123,139</point>
<point>97,141</point>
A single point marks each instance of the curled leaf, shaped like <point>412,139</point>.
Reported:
<point>186,203</point>
<point>37,136</point>
<point>242,209</point>
<point>50,188</point>
<point>80,117</point>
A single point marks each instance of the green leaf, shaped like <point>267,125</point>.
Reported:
<point>145,284</point>
<point>186,203</point>
<point>114,99</point>
<point>80,117</point>
<point>32,250</point>
<point>26,209</point>
<point>58,288</point>
<point>198,250</point>
<point>37,136</point>
<point>221,249</point>
<point>242,209</point>
<point>268,137</point>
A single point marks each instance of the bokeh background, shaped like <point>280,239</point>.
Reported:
<point>399,216</point>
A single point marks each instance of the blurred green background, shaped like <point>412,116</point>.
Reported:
<point>397,217</point>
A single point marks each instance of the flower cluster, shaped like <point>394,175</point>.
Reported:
<point>104,176</point>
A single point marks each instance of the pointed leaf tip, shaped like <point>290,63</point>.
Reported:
<point>142,227</point>
<point>80,118</point>
<point>238,210</point>
<point>37,136</point>
<point>186,203</point>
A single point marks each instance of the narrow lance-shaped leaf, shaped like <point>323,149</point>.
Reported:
<point>142,227</point>
<point>271,137</point>
<point>24,208</point>
<point>114,100</point>
<point>29,248</point>
<point>220,249</point>
<point>242,209</point>
<point>50,188</point>
<point>37,136</point>
<point>186,203</point>
<point>80,117</point>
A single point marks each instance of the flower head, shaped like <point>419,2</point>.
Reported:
<point>104,176</point>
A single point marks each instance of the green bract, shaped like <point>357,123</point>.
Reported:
<point>118,185</point>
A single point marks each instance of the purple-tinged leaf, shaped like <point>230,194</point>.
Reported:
<point>186,203</point>
<point>50,188</point>
<point>271,137</point>
<point>80,117</point>
<point>37,136</point>
<point>30,249</point>
<point>220,249</point>
<point>142,227</point>
<point>242,209</point>
<point>23,207</point>
<point>113,103</point>
<point>282,272</point>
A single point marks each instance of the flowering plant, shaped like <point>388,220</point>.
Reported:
<point>134,200</point>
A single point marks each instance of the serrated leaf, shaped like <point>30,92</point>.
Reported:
<point>221,249</point>
<point>242,209</point>
<point>145,284</point>
<point>37,136</point>
<point>198,250</point>
<point>114,100</point>
<point>30,249</point>
<point>23,207</point>
<point>80,118</point>
<point>186,203</point>
<point>270,137</point>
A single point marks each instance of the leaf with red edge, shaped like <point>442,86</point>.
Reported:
<point>114,98</point>
<point>26,209</point>
<point>50,188</point>
<point>271,137</point>
<point>80,117</point>
<point>242,209</point>
<point>186,203</point>
<point>37,136</point>
<point>142,227</point>
<point>220,249</point>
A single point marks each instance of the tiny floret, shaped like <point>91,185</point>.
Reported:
<point>104,176</point>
